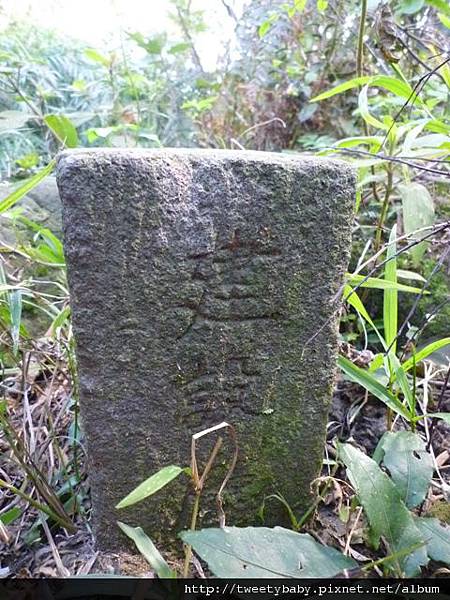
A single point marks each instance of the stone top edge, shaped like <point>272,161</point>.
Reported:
<point>214,155</point>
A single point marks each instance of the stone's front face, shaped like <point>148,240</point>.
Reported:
<point>203,289</point>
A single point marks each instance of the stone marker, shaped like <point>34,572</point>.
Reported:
<point>196,279</point>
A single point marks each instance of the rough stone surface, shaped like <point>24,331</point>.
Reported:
<point>196,279</point>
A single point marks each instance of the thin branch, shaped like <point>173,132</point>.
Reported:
<point>395,159</point>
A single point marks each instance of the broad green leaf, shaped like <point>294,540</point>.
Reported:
<point>432,140</point>
<point>387,514</point>
<point>410,7</point>
<point>267,24</point>
<point>410,275</point>
<point>424,352</point>
<point>444,20</point>
<point>392,84</point>
<point>10,515</point>
<point>51,247</point>
<point>322,5</point>
<point>444,416</point>
<point>97,57</point>
<point>351,142</point>
<point>28,161</point>
<point>410,466</point>
<point>442,5</point>
<point>152,45</point>
<point>438,126</point>
<point>151,485</point>
<point>300,5</point>
<point>63,128</point>
<point>179,48</point>
<point>377,362</point>
<point>363,106</point>
<point>380,284</point>
<point>411,137</point>
<point>148,550</point>
<point>418,212</point>
<point>390,299</point>
<point>261,552</point>
<point>399,88</point>
<point>372,385</point>
<point>29,184</point>
<point>437,537</point>
<point>343,87</point>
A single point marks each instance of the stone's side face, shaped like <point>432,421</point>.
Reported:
<point>196,279</point>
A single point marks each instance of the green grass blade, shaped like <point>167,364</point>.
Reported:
<point>20,192</point>
<point>424,352</point>
<point>148,550</point>
<point>352,298</point>
<point>402,380</point>
<point>151,485</point>
<point>373,386</point>
<point>15,307</point>
<point>343,87</point>
<point>380,284</point>
<point>390,303</point>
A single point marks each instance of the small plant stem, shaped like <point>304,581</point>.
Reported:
<point>389,419</point>
<point>360,73</point>
<point>438,407</point>
<point>188,554</point>
<point>198,484</point>
<point>360,49</point>
<point>384,208</point>
<point>212,458</point>
<point>66,524</point>
<point>306,515</point>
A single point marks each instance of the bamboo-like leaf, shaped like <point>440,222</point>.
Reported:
<point>352,298</point>
<point>60,319</point>
<point>63,128</point>
<point>97,57</point>
<point>403,274</point>
<point>380,284</point>
<point>372,385</point>
<point>390,301</point>
<point>29,184</point>
<point>363,105</point>
<point>418,212</point>
<point>151,485</point>
<point>392,84</point>
<point>402,380</point>
<point>425,352</point>
<point>148,550</point>
<point>343,87</point>
<point>15,307</point>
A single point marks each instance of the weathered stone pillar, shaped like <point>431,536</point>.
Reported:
<point>196,278</point>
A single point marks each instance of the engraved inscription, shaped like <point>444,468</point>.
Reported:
<point>230,300</point>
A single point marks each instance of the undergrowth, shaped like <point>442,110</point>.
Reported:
<point>381,506</point>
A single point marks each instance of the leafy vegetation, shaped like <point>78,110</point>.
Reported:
<point>369,86</point>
